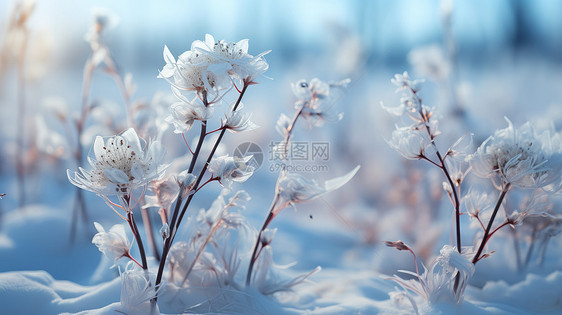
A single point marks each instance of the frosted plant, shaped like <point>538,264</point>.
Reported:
<point>519,158</point>
<point>438,283</point>
<point>200,78</point>
<point>120,164</point>
<point>137,293</point>
<point>114,243</point>
<point>227,169</point>
<point>315,101</point>
<point>416,141</point>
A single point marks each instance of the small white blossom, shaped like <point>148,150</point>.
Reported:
<point>317,99</point>
<point>295,188</point>
<point>239,121</point>
<point>229,169</point>
<point>476,202</point>
<point>119,165</point>
<point>113,244</point>
<point>283,124</point>
<point>403,81</point>
<point>408,142</point>
<point>519,157</point>
<point>267,236</point>
<point>429,61</point>
<point>185,113</point>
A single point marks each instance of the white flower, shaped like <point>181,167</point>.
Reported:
<point>209,65</point>
<point>295,188</point>
<point>318,98</point>
<point>242,65</point>
<point>229,169</point>
<point>519,157</point>
<point>119,165</point>
<point>283,124</point>
<point>429,61</point>
<point>195,71</point>
<point>185,113</point>
<point>267,236</point>
<point>476,202</point>
<point>113,244</point>
<point>403,81</point>
<point>136,293</point>
<point>408,142</point>
<point>239,121</point>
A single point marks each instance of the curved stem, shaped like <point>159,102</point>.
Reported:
<point>485,238</point>
<point>255,253</point>
<point>174,225</point>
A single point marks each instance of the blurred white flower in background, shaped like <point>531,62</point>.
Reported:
<point>429,61</point>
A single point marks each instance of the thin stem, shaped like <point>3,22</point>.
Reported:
<point>149,233</point>
<point>174,225</point>
<point>206,165</point>
<point>530,249</point>
<point>254,256</point>
<point>135,230</point>
<point>20,156</point>
<point>517,250</point>
<point>485,238</point>
<point>255,252</point>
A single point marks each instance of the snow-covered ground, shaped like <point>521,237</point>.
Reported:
<point>324,252</point>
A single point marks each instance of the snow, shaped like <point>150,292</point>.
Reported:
<point>43,271</point>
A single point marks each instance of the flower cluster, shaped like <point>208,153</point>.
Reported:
<point>520,157</point>
<point>120,164</point>
<point>210,65</point>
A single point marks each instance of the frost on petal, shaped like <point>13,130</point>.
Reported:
<point>120,164</point>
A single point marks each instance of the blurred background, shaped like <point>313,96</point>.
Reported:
<point>482,60</point>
